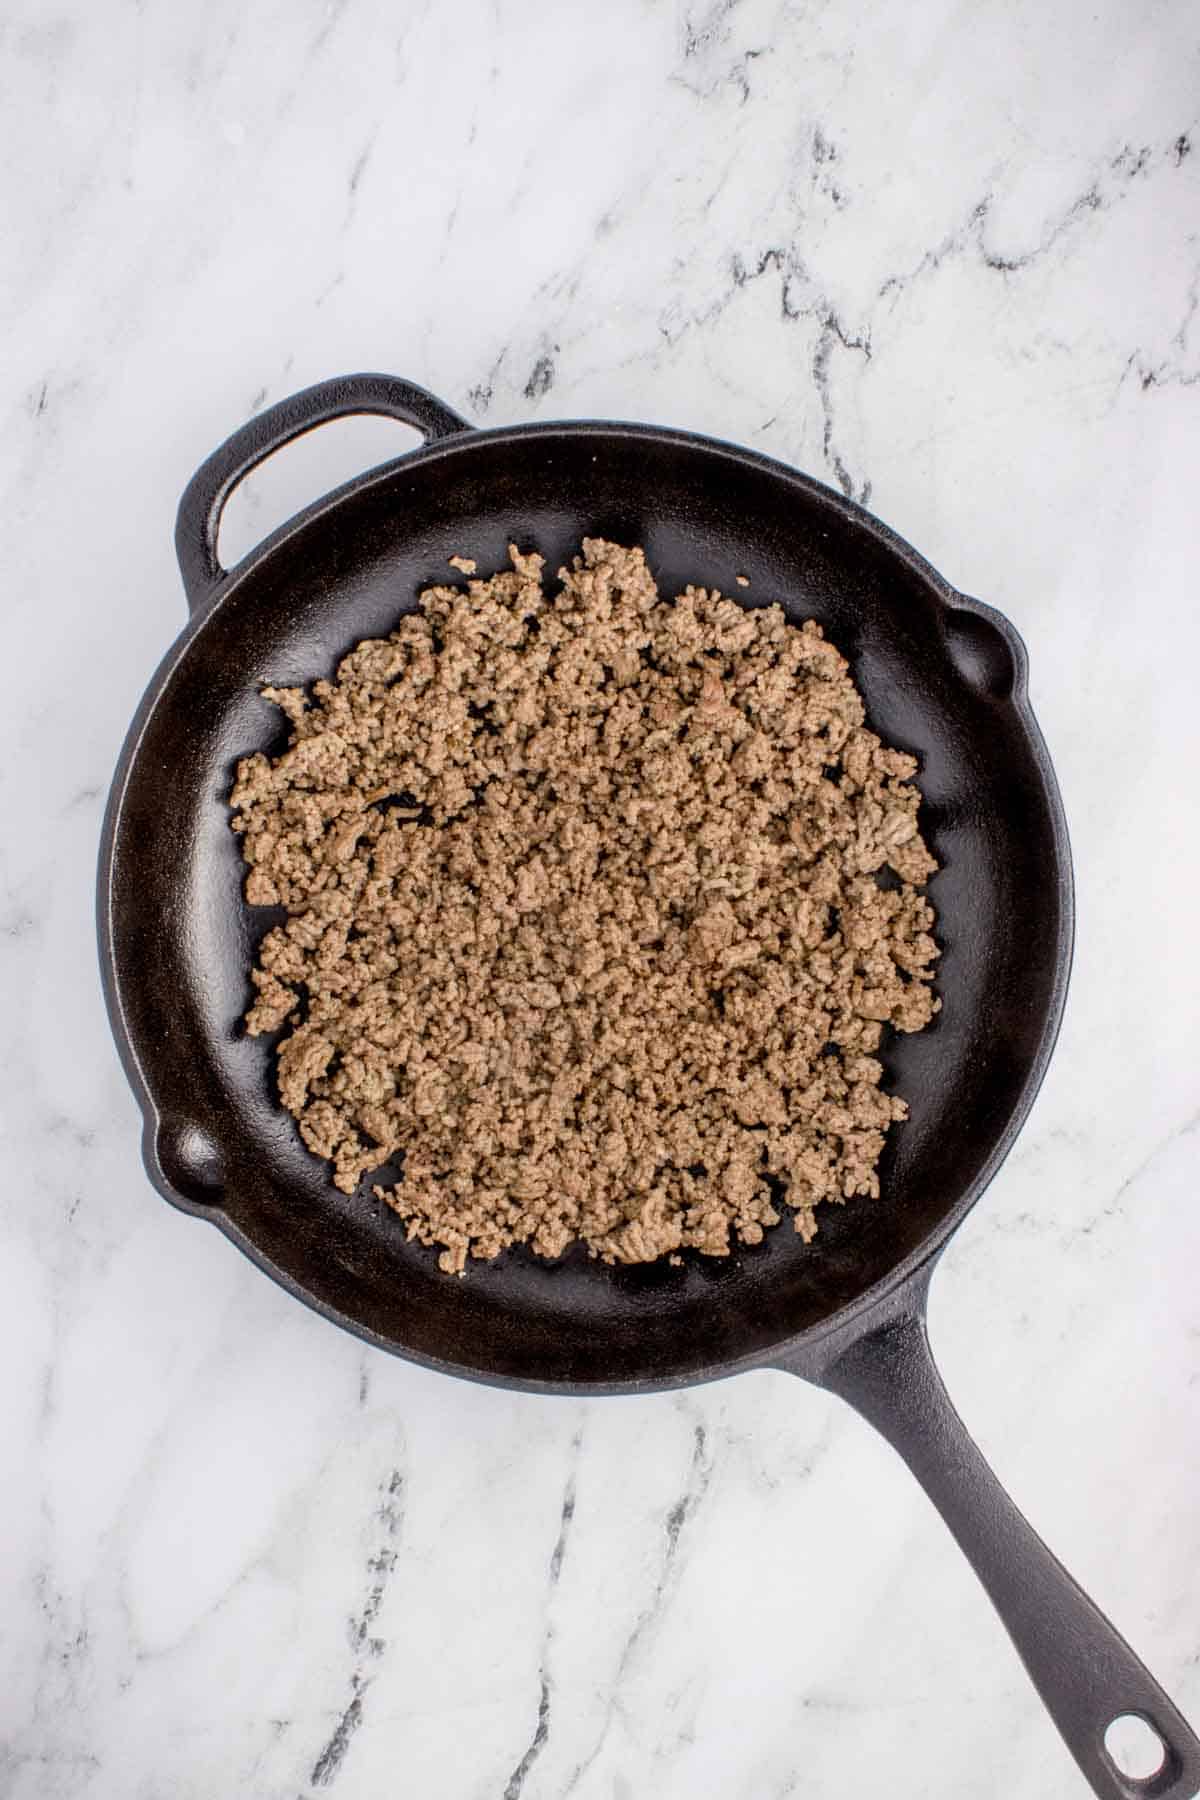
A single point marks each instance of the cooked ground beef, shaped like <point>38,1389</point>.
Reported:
<point>583,915</point>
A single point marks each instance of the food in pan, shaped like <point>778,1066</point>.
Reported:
<point>586,934</point>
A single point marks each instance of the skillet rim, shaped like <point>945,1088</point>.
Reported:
<point>943,595</point>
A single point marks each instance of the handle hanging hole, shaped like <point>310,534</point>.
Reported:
<point>1134,1747</point>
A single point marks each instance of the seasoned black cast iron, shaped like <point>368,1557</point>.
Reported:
<point>942,676</point>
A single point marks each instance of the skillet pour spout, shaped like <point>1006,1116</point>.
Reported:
<point>942,675</point>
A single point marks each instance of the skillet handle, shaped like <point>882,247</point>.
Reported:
<point>199,516</point>
<point>1083,1669</point>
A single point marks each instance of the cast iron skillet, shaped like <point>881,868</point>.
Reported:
<point>943,676</point>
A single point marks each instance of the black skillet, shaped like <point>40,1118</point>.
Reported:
<point>943,676</point>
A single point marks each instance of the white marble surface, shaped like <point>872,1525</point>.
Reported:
<point>945,256</point>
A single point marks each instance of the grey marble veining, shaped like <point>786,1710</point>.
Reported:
<point>948,260</point>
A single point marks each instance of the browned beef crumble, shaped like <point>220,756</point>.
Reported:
<point>583,909</point>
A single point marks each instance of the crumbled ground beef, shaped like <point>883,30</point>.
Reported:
<point>583,915</point>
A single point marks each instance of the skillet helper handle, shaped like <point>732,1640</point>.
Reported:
<point>199,517</point>
<point>1083,1669</point>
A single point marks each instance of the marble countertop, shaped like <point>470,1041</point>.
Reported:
<point>946,259</point>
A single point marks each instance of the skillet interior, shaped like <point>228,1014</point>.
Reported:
<point>943,681</point>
